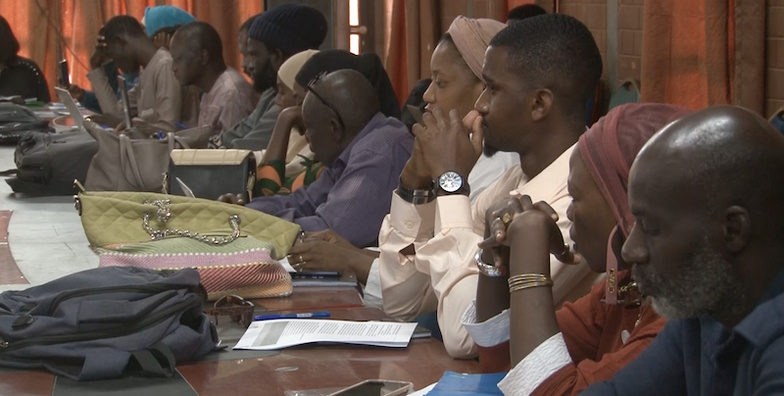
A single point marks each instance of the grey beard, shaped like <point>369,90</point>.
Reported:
<point>707,285</point>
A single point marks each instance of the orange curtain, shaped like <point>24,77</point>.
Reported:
<point>50,30</point>
<point>698,53</point>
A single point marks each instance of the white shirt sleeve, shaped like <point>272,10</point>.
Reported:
<point>373,287</point>
<point>489,333</point>
<point>549,357</point>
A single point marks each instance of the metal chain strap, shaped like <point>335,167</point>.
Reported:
<point>163,214</point>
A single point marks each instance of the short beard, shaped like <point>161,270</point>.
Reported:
<point>264,78</point>
<point>708,285</point>
<point>489,151</point>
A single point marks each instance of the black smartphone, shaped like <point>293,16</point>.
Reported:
<point>65,80</point>
<point>316,274</point>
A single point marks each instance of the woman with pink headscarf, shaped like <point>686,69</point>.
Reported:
<point>561,353</point>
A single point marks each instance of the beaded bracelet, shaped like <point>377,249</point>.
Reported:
<point>525,281</point>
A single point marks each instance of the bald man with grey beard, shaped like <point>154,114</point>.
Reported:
<point>707,248</point>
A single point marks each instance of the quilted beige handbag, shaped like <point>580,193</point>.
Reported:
<point>123,163</point>
<point>233,247</point>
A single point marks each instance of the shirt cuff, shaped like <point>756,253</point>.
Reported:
<point>549,357</point>
<point>373,286</point>
<point>453,211</point>
<point>489,333</point>
<point>407,218</point>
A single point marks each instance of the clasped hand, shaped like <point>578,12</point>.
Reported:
<point>511,220</point>
<point>443,143</point>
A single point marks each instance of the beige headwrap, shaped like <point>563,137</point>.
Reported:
<point>289,69</point>
<point>472,37</point>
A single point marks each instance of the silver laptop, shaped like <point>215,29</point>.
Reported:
<point>126,104</point>
<point>70,105</point>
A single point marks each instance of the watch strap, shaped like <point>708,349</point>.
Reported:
<point>416,196</point>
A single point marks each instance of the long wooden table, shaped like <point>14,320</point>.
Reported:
<point>298,368</point>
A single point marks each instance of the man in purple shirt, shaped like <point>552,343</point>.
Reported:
<point>363,152</point>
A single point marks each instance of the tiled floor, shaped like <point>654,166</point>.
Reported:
<point>45,234</point>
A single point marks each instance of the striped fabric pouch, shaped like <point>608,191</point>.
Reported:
<point>243,267</point>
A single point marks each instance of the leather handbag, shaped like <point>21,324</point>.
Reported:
<point>126,164</point>
<point>234,248</point>
<point>209,173</point>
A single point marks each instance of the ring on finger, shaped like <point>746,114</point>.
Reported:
<point>506,218</point>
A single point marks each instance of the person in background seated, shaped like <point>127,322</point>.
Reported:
<point>242,40</point>
<point>524,11</point>
<point>273,37</point>
<point>414,99</point>
<point>706,249</point>
<point>538,73</point>
<point>363,152</point>
<point>456,84</point>
<point>561,353</point>
<point>197,59</point>
<point>158,96</point>
<point>369,64</point>
<point>161,22</point>
<point>323,62</point>
<point>287,163</point>
<point>19,76</point>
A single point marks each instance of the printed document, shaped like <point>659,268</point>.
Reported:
<point>282,333</point>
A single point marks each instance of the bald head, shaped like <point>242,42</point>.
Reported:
<point>727,154</point>
<point>336,108</point>
<point>351,94</point>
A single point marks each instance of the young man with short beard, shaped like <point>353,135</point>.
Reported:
<point>273,37</point>
<point>539,72</point>
<point>707,249</point>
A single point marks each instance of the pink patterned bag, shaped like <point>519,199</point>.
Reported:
<point>242,267</point>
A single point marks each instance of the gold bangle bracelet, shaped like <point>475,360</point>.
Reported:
<point>525,281</point>
<point>529,285</point>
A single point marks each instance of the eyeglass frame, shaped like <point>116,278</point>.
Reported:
<point>311,89</point>
<point>240,310</point>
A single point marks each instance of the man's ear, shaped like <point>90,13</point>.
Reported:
<point>737,228</point>
<point>204,57</point>
<point>337,131</point>
<point>542,103</point>
<point>276,58</point>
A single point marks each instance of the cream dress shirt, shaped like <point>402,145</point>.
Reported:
<point>442,275</point>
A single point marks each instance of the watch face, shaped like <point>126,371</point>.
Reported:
<point>450,181</point>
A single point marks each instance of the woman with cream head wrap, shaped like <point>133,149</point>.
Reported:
<point>287,161</point>
<point>456,72</point>
<point>456,64</point>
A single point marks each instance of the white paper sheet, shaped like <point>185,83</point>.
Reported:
<point>282,333</point>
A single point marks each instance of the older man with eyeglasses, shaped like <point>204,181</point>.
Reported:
<point>363,152</point>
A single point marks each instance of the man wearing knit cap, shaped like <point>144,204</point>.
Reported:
<point>273,37</point>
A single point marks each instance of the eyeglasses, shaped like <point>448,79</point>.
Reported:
<point>311,88</point>
<point>235,307</point>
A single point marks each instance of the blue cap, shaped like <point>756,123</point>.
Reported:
<point>159,17</point>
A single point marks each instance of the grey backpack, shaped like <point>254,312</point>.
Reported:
<point>105,322</point>
<point>16,120</point>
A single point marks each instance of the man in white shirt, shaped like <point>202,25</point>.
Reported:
<point>533,104</point>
